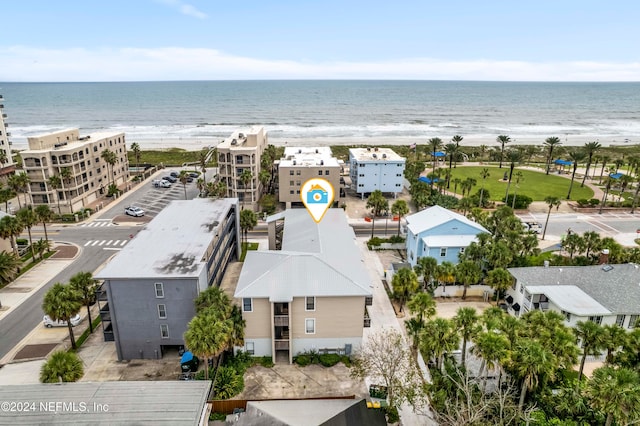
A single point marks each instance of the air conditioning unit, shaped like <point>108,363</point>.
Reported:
<point>384,155</point>
<point>322,162</point>
<point>234,142</point>
<point>375,156</point>
<point>240,135</point>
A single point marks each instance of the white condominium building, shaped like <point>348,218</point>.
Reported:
<point>376,169</point>
<point>7,165</point>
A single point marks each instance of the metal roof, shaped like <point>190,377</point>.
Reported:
<point>316,260</point>
<point>570,298</point>
<point>174,243</point>
<point>127,403</point>
<point>435,216</point>
<point>449,240</point>
<point>617,290</point>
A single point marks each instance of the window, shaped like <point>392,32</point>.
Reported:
<point>164,331</point>
<point>247,305</point>
<point>162,311</point>
<point>443,252</point>
<point>290,172</point>
<point>297,172</point>
<point>620,320</point>
<point>633,319</point>
<point>291,192</point>
<point>461,250</point>
<point>597,319</point>
<point>310,304</point>
<point>159,290</point>
<point>319,172</point>
<point>326,172</point>
<point>361,175</point>
<point>297,191</point>
<point>249,348</point>
<point>567,315</point>
<point>298,183</point>
<point>310,326</point>
<point>521,289</point>
<point>290,183</point>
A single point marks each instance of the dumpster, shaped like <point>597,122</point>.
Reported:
<point>189,362</point>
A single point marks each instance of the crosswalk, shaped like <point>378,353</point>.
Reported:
<point>111,243</point>
<point>97,223</point>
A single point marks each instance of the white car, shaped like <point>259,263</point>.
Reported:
<point>161,183</point>
<point>48,322</point>
<point>134,211</point>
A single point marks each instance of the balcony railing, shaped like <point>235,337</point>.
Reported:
<point>281,320</point>
<point>368,301</point>
<point>282,345</point>
<point>367,322</point>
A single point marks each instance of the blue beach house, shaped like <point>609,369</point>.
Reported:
<point>439,233</point>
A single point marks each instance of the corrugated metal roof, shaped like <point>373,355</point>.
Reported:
<point>571,299</point>
<point>316,260</point>
<point>449,240</point>
<point>618,289</point>
<point>173,243</point>
<point>436,216</point>
<point>127,403</point>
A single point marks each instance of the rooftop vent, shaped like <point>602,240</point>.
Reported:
<point>240,135</point>
<point>376,149</point>
<point>294,162</point>
<point>316,150</point>
<point>234,142</point>
<point>299,151</point>
<point>322,162</point>
<point>384,155</point>
<point>375,156</point>
<point>368,149</point>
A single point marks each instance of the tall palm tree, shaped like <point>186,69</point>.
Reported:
<point>635,195</point>
<point>456,139</point>
<point>378,204</point>
<point>9,264</point>
<point>551,202</point>
<point>605,160</point>
<point>514,157</point>
<point>183,177</point>
<point>85,285</point>
<point>519,178</point>
<point>531,362</point>
<point>264,177</point>
<point>502,140</point>
<point>576,157</point>
<point>451,149</point>
<point>55,183</point>
<point>493,349</point>
<point>135,150</point>
<point>592,337</point>
<point>14,183</point>
<point>213,297</point>
<point>607,188</point>
<point>399,208</point>
<point>499,280</point>
<point>28,219</point>
<point>44,215</point>
<point>590,148</point>
<point>10,228</point>
<point>427,267</point>
<point>23,182</point>
<point>246,177</point>
<point>435,144</point>
<point>446,273</point>
<point>66,176</point>
<point>440,337</point>
<point>468,272</point>
<point>62,302</point>
<point>248,221</point>
<point>467,323</point>
<point>613,339</point>
<point>110,158</point>
<point>422,306</point>
<point>62,366</point>
<point>484,174</point>
<point>6,194</point>
<point>551,143</point>
<point>404,284</point>
<point>615,392</point>
<point>207,337</point>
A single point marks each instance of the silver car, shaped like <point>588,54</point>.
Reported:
<point>134,211</point>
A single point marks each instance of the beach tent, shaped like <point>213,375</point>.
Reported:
<point>439,154</point>
<point>560,162</point>
<point>427,180</point>
<point>616,175</point>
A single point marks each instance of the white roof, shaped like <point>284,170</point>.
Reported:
<point>316,260</point>
<point>436,216</point>
<point>374,155</point>
<point>570,298</point>
<point>308,157</point>
<point>173,244</point>
<point>449,240</point>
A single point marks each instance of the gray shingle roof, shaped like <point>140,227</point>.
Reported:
<point>618,290</point>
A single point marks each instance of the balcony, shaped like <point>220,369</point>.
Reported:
<point>368,301</point>
<point>107,332</point>
<point>105,314</point>
<point>282,345</point>
<point>281,320</point>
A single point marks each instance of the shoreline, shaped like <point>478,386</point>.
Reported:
<point>199,143</point>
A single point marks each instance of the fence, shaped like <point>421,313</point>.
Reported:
<point>227,406</point>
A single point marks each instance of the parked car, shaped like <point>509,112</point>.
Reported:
<point>161,183</point>
<point>48,322</point>
<point>534,227</point>
<point>170,179</point>
<point>134,211</point>
<point>174,174</point>
<point>194,175</point>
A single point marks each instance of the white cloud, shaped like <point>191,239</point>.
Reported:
<point>176,63</point>
<point>185,8</point>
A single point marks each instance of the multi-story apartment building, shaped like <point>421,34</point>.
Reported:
<point>146,300</point>
<point>310,295</point>
<point>7,165</point>
<point>88,175</point>
<point>301,164</point>
<point>241,152</point>
<point>373,169</point>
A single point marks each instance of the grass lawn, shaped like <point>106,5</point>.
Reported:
<point>536,185</point>
<point>245,248</point>
<point>169,157</point>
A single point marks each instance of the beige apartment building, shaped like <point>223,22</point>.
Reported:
<point>238,153</point>
<point>89,174</point>
<point>7,165</point>
<point>301,164</point>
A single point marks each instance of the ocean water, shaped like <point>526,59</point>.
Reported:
<point>328,112</point>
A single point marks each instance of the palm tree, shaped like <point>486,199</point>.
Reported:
<point>6,194</point>
<point>446,273</point>
<point>466,320</point>
<point>248,221</point>
<point>264,177</point>
<point>55,183</point>
<point>450,149</point>
<point>4,158</point>
<point>66,176</point>
<point>435,144</point>
<point>207,337</point>
<point>484,174</point>
<point>519,178</point>
<point>44,215</point>
<point>135,150</point>
<point>23,182</point>
<point>605,160</point>
<point>513,157</point>
<point>236,338</point>
<point>14,183</point>
<point>551,202</point>
<point>590,148</point>
<point>41,246</point>
<point>202,160</point>
<point>499,280</point>
<point>84,284</point>
<point>246,177</point>
<point>399,208</point>
<point>28,219</point>
<point>183,177</point>
<point>468,272</point>
<point>62,366</point>
<point>607,188</point>
<point>493,348</point>
<point>502,140</point>
<point>9,264</point>
<point>531,361</point>
<point>378,204</point>
<point>423,306</point>
<point>576,156</point>
<point>110,158</point>
<point>404,284</point>
<point>62,302</point>
<point>615,392</point>
<point>613,338</point>
<point>440,337</point>
<point>427,267</point>
<point>592,337</point>
<point>456,139</point>
<point>10,228</point>
<point>551,143</point>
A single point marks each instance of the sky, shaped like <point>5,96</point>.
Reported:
<point>150,40</point>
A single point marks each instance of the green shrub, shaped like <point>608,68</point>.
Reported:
<point>583,202</point>
<point>329,360</point>
<point>392,414</point>
<point>266,361</point>
<point>217,416</point>
<point>396,239</point>
<point>22,241</point>
<point>594,202</point>
<point>522,201</point>
<point>239,362</point>
<point>62,366</point>
<point>228,384</point>
<point>302,360</point>
<point>375,242</point>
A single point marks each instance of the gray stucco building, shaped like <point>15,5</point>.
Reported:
<point>149,287</point>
